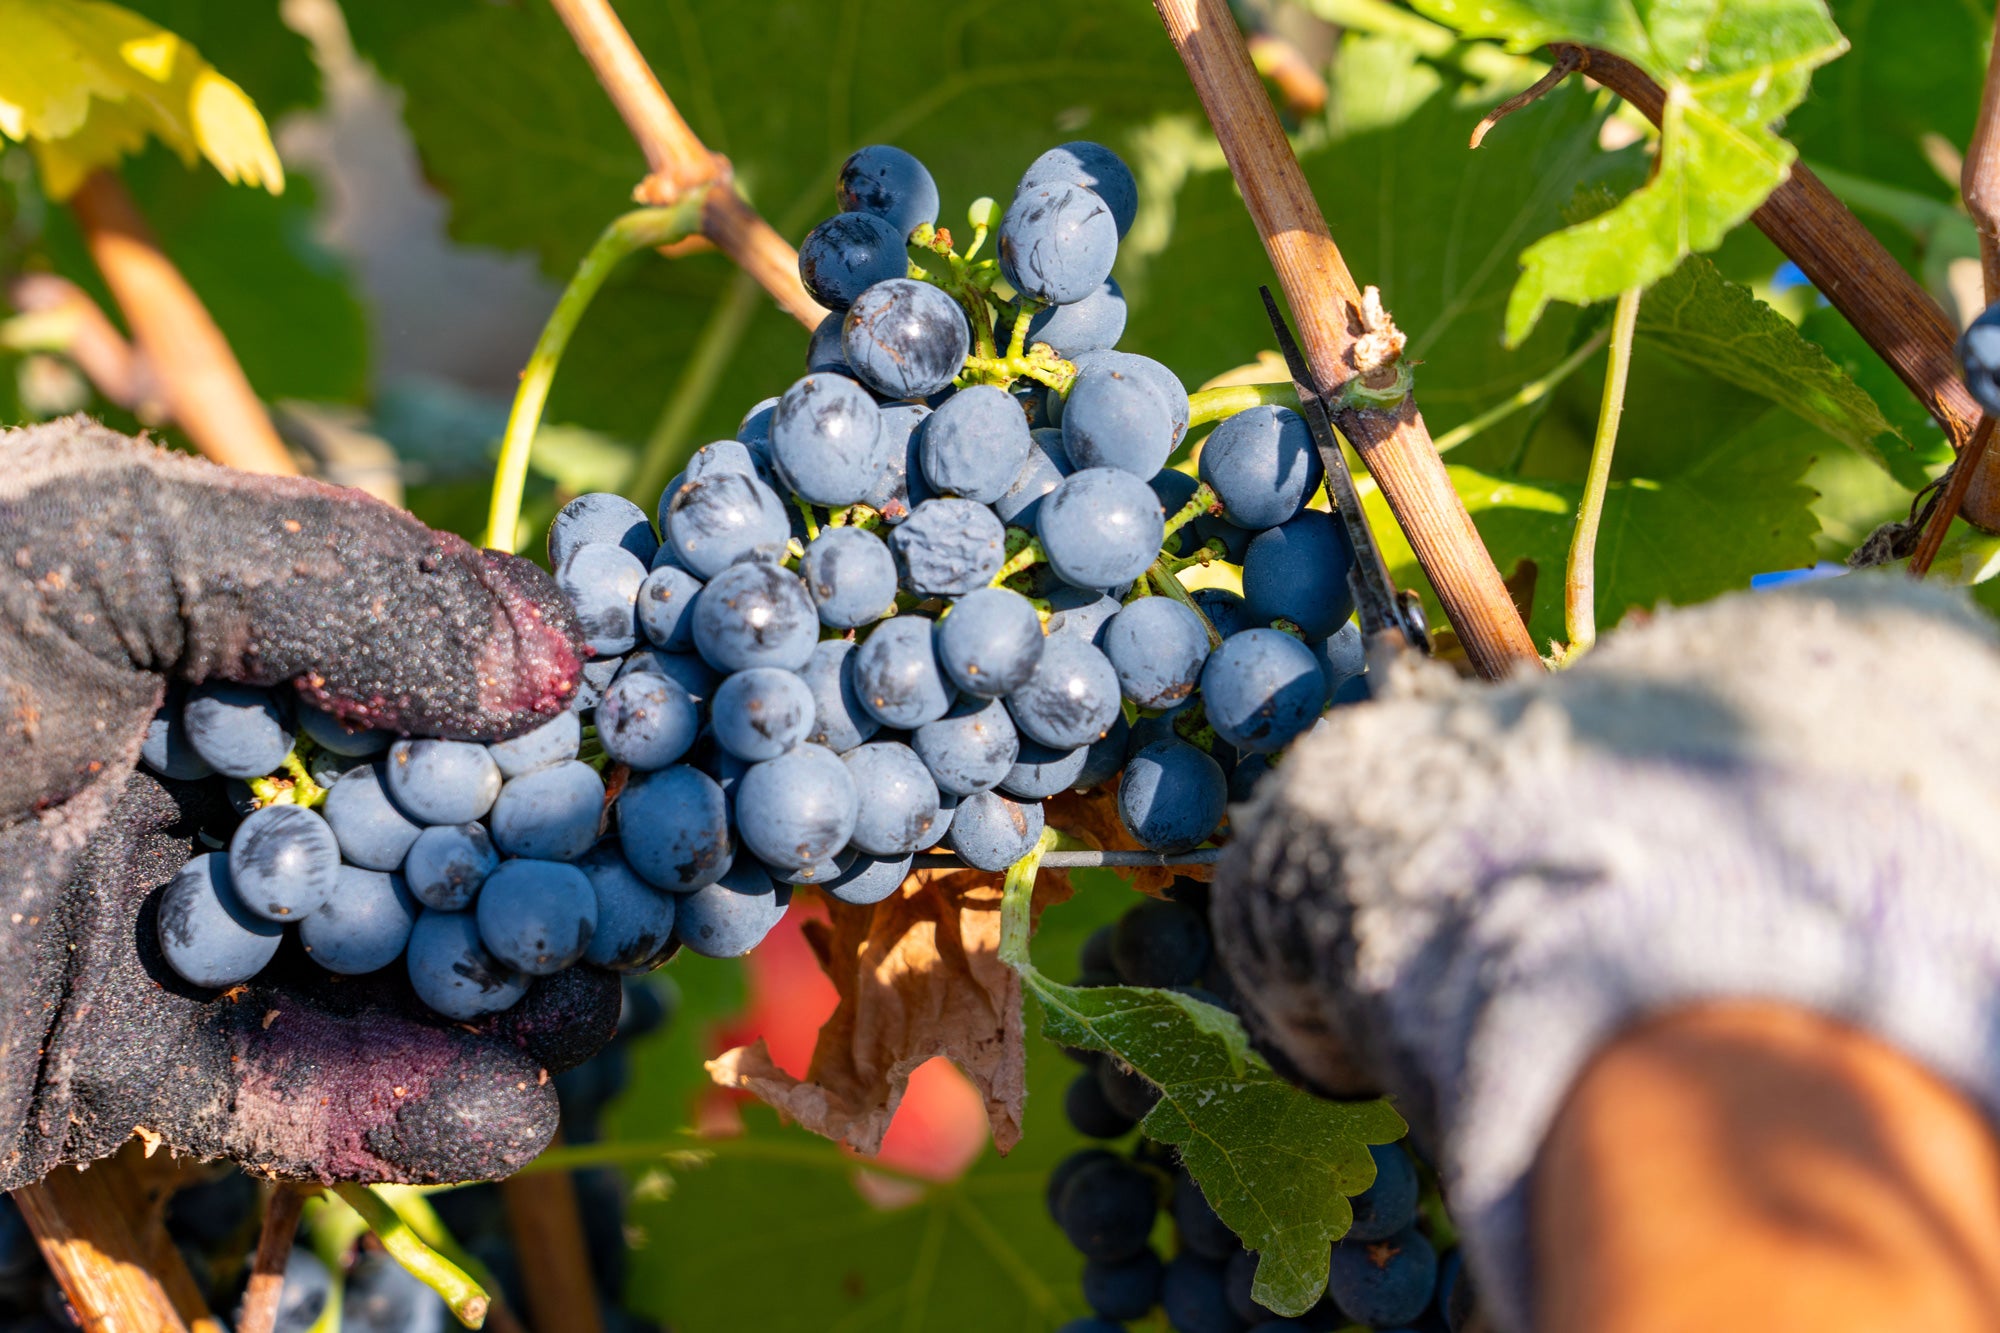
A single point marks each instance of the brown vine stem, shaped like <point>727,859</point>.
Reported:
<point>1863,281</point>
<point>1327,304</point>
<point>1979,183</point>
<point>1568,60</point>
<point>545,1222</point>
<point>199,376</point>
<point>267,1268</point>
<point>678,160</point>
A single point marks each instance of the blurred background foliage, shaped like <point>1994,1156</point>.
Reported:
<point>448,163</point>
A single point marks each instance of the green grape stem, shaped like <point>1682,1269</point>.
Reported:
<point>812,520</point>
<point>1040,364</point>
<point>1209,405</point>
<point>465,1297</point>
<point>1170,586</point>
<point>1022,560</point>
<point>641,229</point>
<point>1201,502</point>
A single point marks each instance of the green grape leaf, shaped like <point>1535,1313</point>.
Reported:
<point>1730,68</point>
<point>874,1254</point>
<point>1275,1163</point>
<point>87,83</point>
<point>1701,318</point>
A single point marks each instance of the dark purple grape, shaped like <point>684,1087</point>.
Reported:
<point>798,808</point>
<point>905,338</point>
<point>851,576</point>
<point>1071,699</point>
<point>238,730</point>
<point>1057,242</point>
<point>970,748</point>
<point>990,832</point>
<point>713,522</point>
<point>975,444</point>
<point>602,584</point>
<point>840,722</point>
<point>666,609</point>
<point>1298,572</point>
<point>673,827</point>
<point>901,484</point>
<point>1262,465</point>
<point>364,925</point>
<point>868,880</point>
<point>827,440</point>
<point>207,935</point>
<point>442,782</point>
<point>601,517</point>
<point>897,677</point>
<point>1172,796</point>
<point>755,614</point>
<point>761,713</point>
<point>551,814</point>
<point>635,921</point>
<point>447,864</point>
<point>1157,647</point>
<point>990,642</point>
<point>1041,771</point>
<point>948,547</point>
<point>891,184</point>
<point>646,721</point>
<point>846,255</point>
<point>1097,169</point>
<point>283,862</point>
<point>730,917</point>
<point>1044,470</point>
<point>899,799</point>
<point>1100,528</point>
<point>452,972</point>
<point>536,916</point>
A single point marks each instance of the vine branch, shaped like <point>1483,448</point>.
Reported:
<point>1327,304</point>
<point>267,1269</point>
<point>679,162</point>
<point>1580,584</point>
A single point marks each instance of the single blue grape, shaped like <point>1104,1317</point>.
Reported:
<point>846,255</point>
<point>905,338</point>
<point>1047,465</point>
<point>646,721</point>
<point>1040,771</point>
<point>452,972</point>
<point>798,808</point>
<point>601,517</point>
<point>901,484</point>
<point>891,184</point>
<point>990,832</point>
<point>330,733</point>
<point>1200,1230</point>
<point>713,522</point>
<point>602,584</point>
<point>755,614</point>
<point>559,738</point>
<point>990,642</point>
<point>1102,759</point>
<point>666,609</point>
<point>897,676</point>
<point>1057,242</point>
<point>1157,647</point>
<point>755,428</point>
<point>1094,167</point>
<point>823,353</point>
<point>1224,609</point>
<point>1390,1204</point>
<point>1101,527</point>
<point>975,444</point>
<point>1081,613</point>
<point>442,782</point>
<point>868,880</point>
<point>238,730</point>
<point>283,862</point>
<point>686,670</point>
<point>551,814</point>
<point>827,440</point>
<point>372,830</point>
<point>447,864</point>
<point>851,576</point>
<point>1116,419</point>
<point>730,917</point>
<point>1165,383</point>
<point>1298,572</point>
<point>970,748</point>
<point>536,916</point>
<point>840,722</point>
<point>1342,655</point>
<point>1089,325</point>
<point>1262,688</point>
<point>1072,697</point>
<point>635,921</point>
<point>364,926</point>
<point>1262,466</point>
<point>1979,358</point>
<point>1161,943</point>
<point>207,935</point>
<point>1124,1289</point>
<point>899,798</point>
<point>166,749</point>
<point>947,807</point>
<point>1385,1281</point>
<point>761,713</point>
<point>1172,796</point>
<point>1106,1209</point>
<point>947,547</point>
<point>673,827</point>
<point>721,456</point>
<point>1194,1298</point>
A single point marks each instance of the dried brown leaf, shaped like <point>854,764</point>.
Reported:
<point>919,975</point>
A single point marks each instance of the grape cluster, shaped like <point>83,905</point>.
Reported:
<point>1384,1274</point>
<point>214,1225</point>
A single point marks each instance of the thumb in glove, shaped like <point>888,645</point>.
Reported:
<point>1459,893</point>
<point>126,566</point>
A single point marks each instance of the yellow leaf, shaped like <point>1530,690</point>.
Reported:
<point>86,82</point>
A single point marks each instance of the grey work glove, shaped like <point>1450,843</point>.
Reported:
<point>1457,893</point>
<point>122,567</point>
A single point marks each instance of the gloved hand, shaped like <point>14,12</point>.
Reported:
<point>125,566</point>
<point>1458,893</point>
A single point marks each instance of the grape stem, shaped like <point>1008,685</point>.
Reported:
<point>1040,364</point>
<point>1227,400</point>
<point>812,521</point>
<point>641,229</point>
<point>467,1301</point>
<point>1580,582</point>
<point>1024,559</point>
<point>1017,905</point>
<point>1169,585</point>
<point>1526,396</point>
<point>1203,500</point>
<point>1204,555</point>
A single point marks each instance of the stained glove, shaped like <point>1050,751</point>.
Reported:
<point>1458,893</point>
<point>122,567</point>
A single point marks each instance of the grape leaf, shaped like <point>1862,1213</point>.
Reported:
<point>1275,1163</point>
<point>86,83</point>
<point>1706,321</point>
<point>1730,68</point>
<point>975,1255</point>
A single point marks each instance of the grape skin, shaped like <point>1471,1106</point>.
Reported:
<point>901,484</point>
<point>731,917</point>
<point>798,808</point>
<point>897,676</point>
<point>948,547</point>
<point>536,916</point>
<point>551,814</point>
<point>891,184</point>
<point>646,721</point>
<point>990,832</point>
<point>1115,419</point>
<point>851,576</point>
<point>666,606</point>
<point>1262,688</point>
<point>673,828</point>
<point>827,440</point>
<point>166,749</point>
<point>905,339</point>
<point>754,614</point>
<point>1057,242</point>
<point>238,730</point>
<point>1041,771</point>
<point>761,713</point>
<point>447,864</point>
<point>713,522</point>
<point>868,880</point>
<point>283,862</point>
<point>846,255</point>
<point>373,833</point>
<point>1158,648</point>
<point>442,782</point>
<point>1262,465</point>
<point>840,722</point>
<point>975,444</point>
<point>206,934</point>
<point>1092,324</point>
<point>990,643</point>
<point>1298,572</point>
<point>1101,527</point>
<point>1047,465</point>
<point>1094,167</point>
<point>823,354</point>
<point>330,733</point>
<point>601,517</point>
<point>452,971</point>
<point>969,749</point>
<point>602,584</point>
<point>1172,796</point>
<point>635,921</point>
<point>364,925</point>
<point>902,798</point>
<point>1071,699</point>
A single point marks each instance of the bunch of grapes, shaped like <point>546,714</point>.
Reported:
<point>1384,1274</point>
